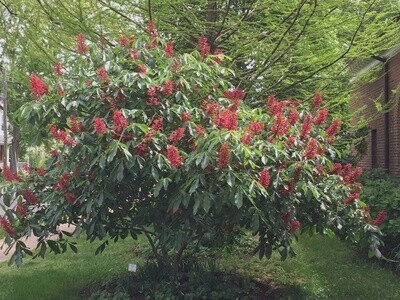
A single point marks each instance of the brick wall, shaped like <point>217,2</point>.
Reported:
<point>366,95</point>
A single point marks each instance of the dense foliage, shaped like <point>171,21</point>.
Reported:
<point>154,143</point>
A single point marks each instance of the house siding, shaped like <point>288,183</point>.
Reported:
<point>366,95</point>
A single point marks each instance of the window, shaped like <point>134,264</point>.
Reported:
<point>374,148</point>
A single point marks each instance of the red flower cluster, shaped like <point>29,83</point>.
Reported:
<point>350,174</point>
<point>99,125</point>
<point>157,124</point>
<point>20,209</point>
<point>333,128</point>
<point>185,116</point>
<point>275,107</point>
<point>61,135</point>
<point>81,46</point>
<point>322,115</point>
<point>75,125</point>
<point>223,156</point>
<point>280,126</point>
<point>142,150</point>
<point>293,116</point>
<point>264,178</point>
<point>211,108</point>
<point>168,88</point>
<point>290,141</point>
<point>6,226</point>
<point>380,218</point>
<point>286,192</point>
<point>151,27</point>
<point>119,122</point>
<point>26,168</point>
<point>148,136</point>
<point>169,49</point>
<point>255,127</point>
<point>134,55</point>
<point>101,71</point>
<point>58,68</point>
<point>246,139</point>
<point>54,152</point>
<point>235,95</point>
<point>226,119</point>
<point>317,100</point>
<point>29,196</point>
<point>294,226</point>
<point>200,130</point>
<point>311,150</point>
<point>142,69</point>
<point>350,199</point>
<point>177,135</point>
<point>173,156</point>
<point>38,87</point>
<point>62,183</point>
<point>70,197</point>
<point>152,93</point>
<point>176,65</point>
<point>126,40</point>
<point>204,46</point>
<point>41,171</point>
<point>218,55</point>
<point>306,126</point>
<point>8,175</point>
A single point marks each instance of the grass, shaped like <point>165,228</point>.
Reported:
<point>324,268</point>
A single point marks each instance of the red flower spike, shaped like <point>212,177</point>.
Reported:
<point>70,198</point>
<point>38,87</point>
<point>176,65</point>
<point>142,150</point>
<point>294,226</point>
<point>204,46</point>
<point>226,119</point>
<point>246,139</point>
<point>134,54</point>
<point>168,88</point>
<point>218,56</point>
<point>157,124</point>
<point>58,68</point>
<point>209,107</point>
<point>101,71</point>
<point>293,116</point>
<point>149,136</point>
<point>151,27</point>
<point>185,116</point>
<point>20,210</point>
<point>29,196</point>
<point>41,171</point>
<point>333,128</point>
<point>177,135</point>
<point>142,69</point>
<point>8,175</point>
<point>255,127</point>
<point>317,100</point>
<point>351,198</point>
<point>264,178</point>
<point>169,49</point>
<point>200,130</point>
<point>75,125</point>
<point>280,126</point>
<point>119,122</point>
<point>173,156</point>
<point>380,218</point>
<point>81,46</point>
<point>311,150</point>
<point>7,227</point>
<point>306,126</point>
<point>290,141</point>
<point>223,156</point>
<point>321,118</point>
<point>26,168</point>
<point>99,125</point>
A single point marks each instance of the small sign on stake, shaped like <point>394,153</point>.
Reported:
<point>132,268</point>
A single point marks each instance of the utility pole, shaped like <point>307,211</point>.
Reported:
<point>5,129</point>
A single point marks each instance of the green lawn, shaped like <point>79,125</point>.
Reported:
<point>324,268</point>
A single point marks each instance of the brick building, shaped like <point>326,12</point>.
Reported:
<point>384,127</point>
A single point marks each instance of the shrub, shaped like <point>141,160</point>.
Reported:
<point>151,142</point>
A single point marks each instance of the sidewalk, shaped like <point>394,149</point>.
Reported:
<point>31,242</point>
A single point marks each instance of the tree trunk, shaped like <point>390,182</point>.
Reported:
<point>15,149</point>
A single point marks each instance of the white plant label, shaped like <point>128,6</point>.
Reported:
<point>132,268</point>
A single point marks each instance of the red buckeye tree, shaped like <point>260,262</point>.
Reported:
<point>150,142</point>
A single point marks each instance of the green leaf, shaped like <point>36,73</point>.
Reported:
<point>230,179</point>
<point>197,201</point>
<point>157,189</point>
<point>194,186</point>
<point>239,199</point>
<point>154,173</point>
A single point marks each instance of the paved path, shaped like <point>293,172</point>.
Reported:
<point>31,242</point>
